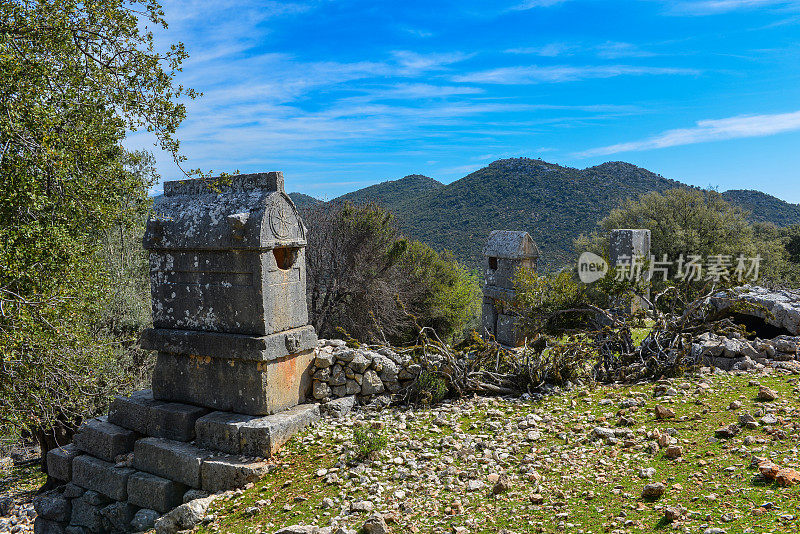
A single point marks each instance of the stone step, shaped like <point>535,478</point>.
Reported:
<point>174,460</point>
<point>173,420</point>
<point>59,461</point>
<point>133,412</point>
<point>250,435</point>
<point>158,419</point>
<point>104,440</point>
<point>227,472</point>
<point>220,431</point>
<point>103,477</point>
<point>262,437</point>
<point>155,492</point>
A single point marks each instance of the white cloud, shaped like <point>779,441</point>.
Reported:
<point>548,50</point>
<point>607,50</point>
<point>714,7</point>
<point>615,50</point>
<point>533,4</point>
<point>564,73</point>
<point>709,130</point>
<point>413,63</point>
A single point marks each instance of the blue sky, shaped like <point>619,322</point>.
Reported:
<point>342,94</point>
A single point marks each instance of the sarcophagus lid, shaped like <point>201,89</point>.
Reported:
<point>227,255</point>
<point>246,211</point>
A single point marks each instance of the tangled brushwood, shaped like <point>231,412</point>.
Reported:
<point>605,350</point>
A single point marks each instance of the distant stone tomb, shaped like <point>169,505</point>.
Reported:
<point>505,252</point>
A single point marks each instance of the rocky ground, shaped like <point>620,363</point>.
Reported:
<point>17,488</point>
<point>680,454</point>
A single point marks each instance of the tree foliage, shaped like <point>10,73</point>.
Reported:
<point>697,222</point>
<point>365,278</point>
<point>74,78</point>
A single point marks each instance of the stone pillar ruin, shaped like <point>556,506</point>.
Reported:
<point>628,243</point>
<point>505,252</point>
<point>228,280</point>
<point>631,245</point>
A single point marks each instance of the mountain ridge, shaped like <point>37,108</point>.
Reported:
<point>554,203</point>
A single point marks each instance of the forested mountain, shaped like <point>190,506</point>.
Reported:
<point>303,201</point>
<point>764,207</point>
<point>552,202</point>
<point>395,195</point>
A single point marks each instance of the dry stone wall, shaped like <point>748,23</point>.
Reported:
<point>340,371</point>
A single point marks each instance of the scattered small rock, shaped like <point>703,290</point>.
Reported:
<point>653,491</point>
<point>766,394</point>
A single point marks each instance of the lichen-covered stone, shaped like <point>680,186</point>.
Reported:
<point>263,436</point>
<point>101,476</point>
<point>220,431</point>
<point>59,461</point>
<point>104,440</point>
<point>154,492</point>
<point>175,460</point>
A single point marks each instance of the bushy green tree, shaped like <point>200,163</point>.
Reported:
<point>74,78</point>
<point>686,222</point>
<point>681,221</point>
<point>365,278</point>
<point>447,296</point>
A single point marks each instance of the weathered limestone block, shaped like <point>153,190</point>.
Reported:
<point>104,440</point>
<point>73,491</point>
<point>625,243</point>
<point>223,473</point>
<point>173,420</point>
<point>262,437</point>
<point>185,517</point>
<point>507,331</point>
<point>100,476</point>
<point>780,308</point>
<point>119,515</point>
<point>59,461</point>
<point>133,412</point>
<point>170,459</point>
<point>52,505</point>
<point>154,492</point>
<point>86,512</point>
<point>220,431</point>
<point>47,526</point>
<point>234,385</point>
<point>144,520</point>
<point>340,407</point>
<point>371,383</point>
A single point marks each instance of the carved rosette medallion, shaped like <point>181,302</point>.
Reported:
<point>279,220</point>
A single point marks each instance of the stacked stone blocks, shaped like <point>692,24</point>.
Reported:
<point>113,469</point>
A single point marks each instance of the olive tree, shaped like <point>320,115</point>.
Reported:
<point>75,77</point>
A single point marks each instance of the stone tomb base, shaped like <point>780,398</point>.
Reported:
<point>241,386</point>
<point>258,375</point>
<point>149,456</point>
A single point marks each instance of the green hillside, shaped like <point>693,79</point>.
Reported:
<point>395,195</point>
<point>552,202</point>
<point>764,207</point>
<point>303,201</point>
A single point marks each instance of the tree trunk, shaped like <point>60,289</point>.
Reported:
<point>58,435</point>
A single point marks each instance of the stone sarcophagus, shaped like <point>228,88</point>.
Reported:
<point>227,269</point>
<point>505,252</point>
